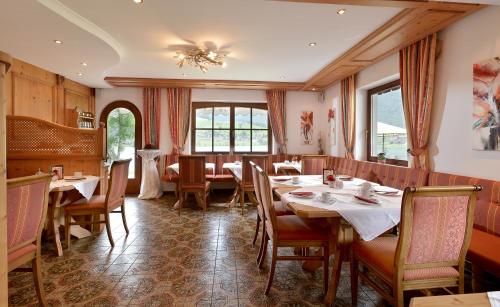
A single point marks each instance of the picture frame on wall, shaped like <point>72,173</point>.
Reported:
<point>327,173</point>
<point>57,170</point>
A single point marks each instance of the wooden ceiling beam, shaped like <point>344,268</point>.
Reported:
<point>195,83</point>
<point>388,3</point>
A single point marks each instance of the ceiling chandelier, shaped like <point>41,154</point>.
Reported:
<point>200,58</point>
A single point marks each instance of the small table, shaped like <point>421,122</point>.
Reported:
<point>85,187</point>
<point>342,232</point>
<point>150,182</point>
<point>287,168</point>
<point>474,299</point>
<point>175,168</point>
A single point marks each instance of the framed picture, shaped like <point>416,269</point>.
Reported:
<point>57,170</point>
<point>306,126</point>
<point>326,174</point>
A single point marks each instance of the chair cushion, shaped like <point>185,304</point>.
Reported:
<point>95,203</point>
<point>279,209</point>
<point>21,252</point>
<point>380,253</point>
<point>170,178</point>
<point>484,251</point>
<point>210,177</point>
<point>196,186</point>
<point>292,227</point>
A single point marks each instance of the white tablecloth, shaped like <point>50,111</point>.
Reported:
<point>86,187</point>
<point>282,165</point>
<point>150,181</point>
<point>175,168</point>
<point>369,220</point>
<point>494,298</point>
<point>310,180</point>
<point>235,168</point>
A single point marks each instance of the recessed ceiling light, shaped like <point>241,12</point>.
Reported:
<point>84,64</point>
<point>341,11</point>
<point>79,74</point>
<point>312,44</point>
<point>138,1</point>
<point>58,42</point>
<point>313,88</point>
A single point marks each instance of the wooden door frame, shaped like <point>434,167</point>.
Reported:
<point>133,185</point>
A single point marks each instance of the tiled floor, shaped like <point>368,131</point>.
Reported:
<point>197,259</point>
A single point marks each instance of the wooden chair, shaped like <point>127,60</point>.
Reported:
<point>245,185</point>
<point>289,231</point>
<point>101,204</point>
<point>192,179</point>
<point>27,201</point>
<point>436,225</point>
<point>278,208</point>
<point>313,164</point>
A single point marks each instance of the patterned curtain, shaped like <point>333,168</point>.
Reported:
<point>179,111</point>
<point>348,116</point>
<point>152,113</point>
<point>416,66</point>
<point>277,117</point>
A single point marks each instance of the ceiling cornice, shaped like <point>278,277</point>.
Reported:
<point>194,83</point>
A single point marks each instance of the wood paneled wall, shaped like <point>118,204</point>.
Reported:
<point>35,92</point>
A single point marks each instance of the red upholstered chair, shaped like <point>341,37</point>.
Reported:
<point>192,179</point>
<point>27,199</point>
<point>289,231</point>
<point>436,224</point>
<point>312,164</point>
<point>245,185</point>
<point>279,209</point>
<point>101,204</point>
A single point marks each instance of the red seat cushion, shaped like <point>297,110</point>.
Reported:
<point>380,253</point>
<point>95,203</point>
<point>293,228</point>
<point>210,177</point>
<point>21,252</point>
<point>224,178</point>
<point>484,251</point>
<point>196,186</point>
<point>170,178</point>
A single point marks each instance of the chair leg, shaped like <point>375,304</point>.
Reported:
<point>108,230</point>
<point>124,219</point>
<point>399,299</point>
<point>354,280</point>
<point>263,247</point>
<point>37,276</point>
<point>67,230</point>
<point>326,261</point>
<point>257,227</point>
<point>273,268</point>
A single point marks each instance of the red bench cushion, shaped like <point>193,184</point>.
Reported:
<point>484,251</point>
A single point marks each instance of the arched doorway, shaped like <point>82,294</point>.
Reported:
<point>124,137</point>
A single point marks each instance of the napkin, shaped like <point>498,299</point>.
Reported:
<point>368,200</point>
<point>494,298</point>
<point>301,193</point>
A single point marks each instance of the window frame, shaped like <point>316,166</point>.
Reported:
<point>232,129</point>
<point>382,88</point>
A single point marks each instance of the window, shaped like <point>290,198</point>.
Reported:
<point>230,127</point>
<point>386,124</point>
<point>121,137</point>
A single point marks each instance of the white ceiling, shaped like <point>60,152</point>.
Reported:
<point>266,39</point>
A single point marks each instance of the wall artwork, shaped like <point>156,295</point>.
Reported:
<point>306,127</point>
<point>332,114</point>
<point>486,111</point>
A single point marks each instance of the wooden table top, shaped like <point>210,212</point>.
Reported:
<point>304,210</point>
<point>475,299</point>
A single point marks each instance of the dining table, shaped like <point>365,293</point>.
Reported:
<point>346,216</point>
<point>236,170</point>
<point>175,168</point>
<point>85,186</point>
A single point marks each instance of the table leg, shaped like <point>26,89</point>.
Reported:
<point>53,220</point>
<point>235,197</point>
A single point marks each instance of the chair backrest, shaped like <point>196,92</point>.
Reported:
<point>118,179</point>
<point>246,168</point>
<point>192,172</point>
<point>256,184</point>
<point>27,200</point>
<point>436,226</point>
<point>266,195</point>
<point>313,164</point>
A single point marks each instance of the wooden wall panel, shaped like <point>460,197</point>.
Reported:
<point>35,92</point>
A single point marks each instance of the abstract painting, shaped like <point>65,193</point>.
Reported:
<point>332,120</point>
<point>306,126</point>
<point>486,111</point>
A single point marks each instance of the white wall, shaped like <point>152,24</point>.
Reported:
<point>471,40</point>
<point>296,102</point>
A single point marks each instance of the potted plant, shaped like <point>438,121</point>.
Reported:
<point>381,157</point>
